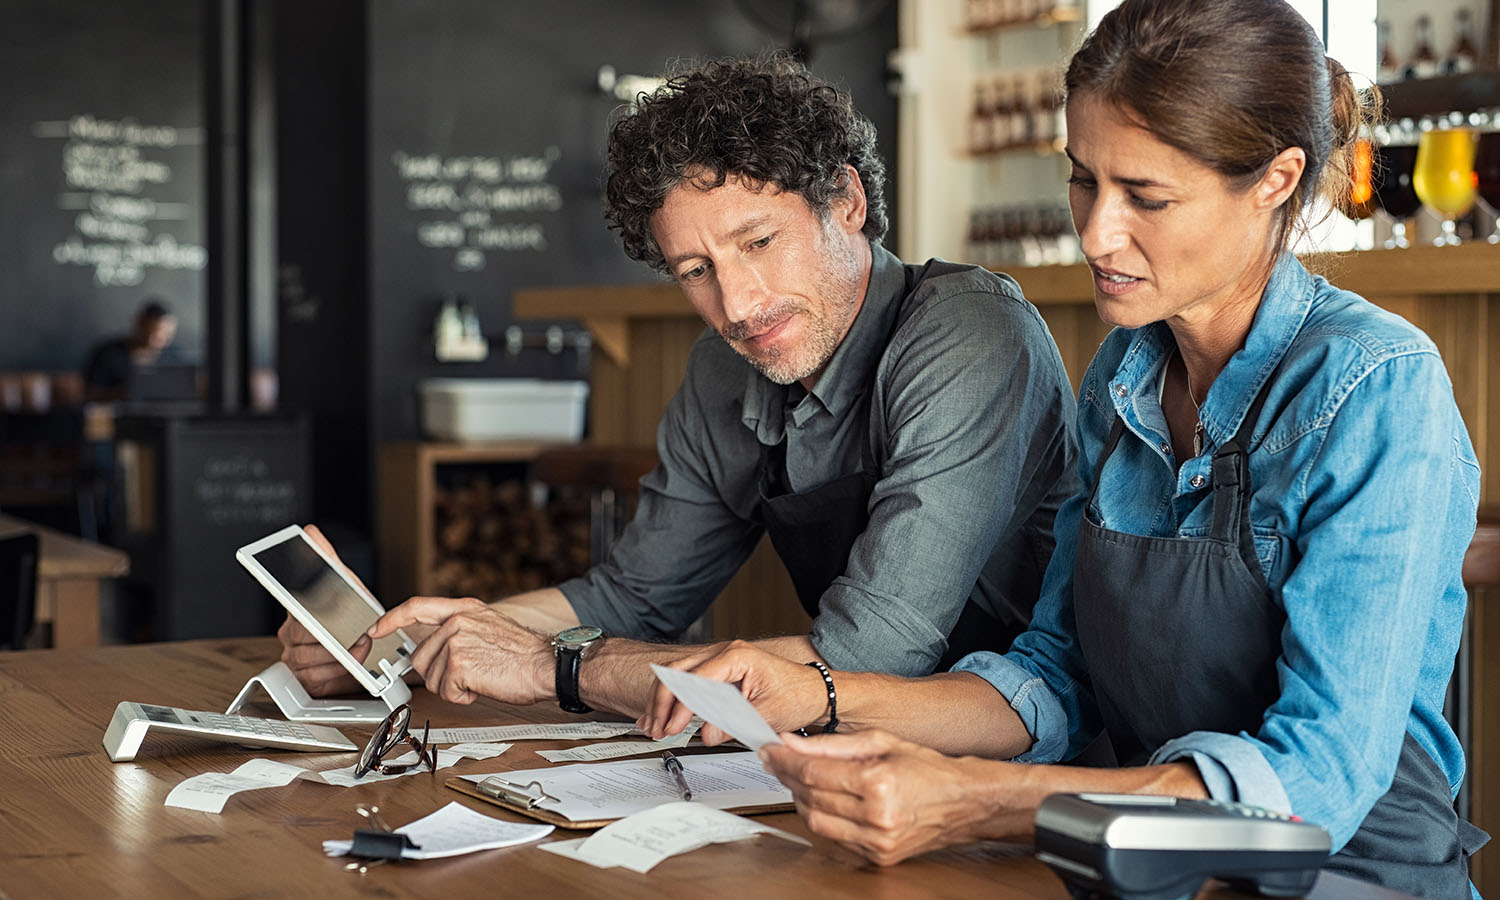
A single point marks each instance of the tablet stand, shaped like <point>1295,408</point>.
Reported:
<point>300,706</point>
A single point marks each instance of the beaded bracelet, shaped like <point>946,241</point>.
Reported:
<point>833,697</point>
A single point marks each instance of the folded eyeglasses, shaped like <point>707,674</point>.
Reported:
<point>392,731</point>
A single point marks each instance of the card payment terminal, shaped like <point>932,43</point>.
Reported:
<point>1136,847</point>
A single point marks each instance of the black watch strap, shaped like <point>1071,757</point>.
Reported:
<point>568,659</point>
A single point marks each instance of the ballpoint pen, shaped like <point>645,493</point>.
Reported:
<point>674,765</point>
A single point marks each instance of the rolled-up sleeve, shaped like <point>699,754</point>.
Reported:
<point>977,410</point>
<point>687,538</point>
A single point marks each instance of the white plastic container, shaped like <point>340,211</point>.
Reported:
<point>503,409</point>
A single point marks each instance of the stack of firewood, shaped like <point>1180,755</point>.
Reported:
<point>496,538</point>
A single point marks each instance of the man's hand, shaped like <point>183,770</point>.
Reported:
<point>889,799</point>
<point>474,651</point>
<point>786,693</point>
<point>314,666</point>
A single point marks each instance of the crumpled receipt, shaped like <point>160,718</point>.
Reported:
<point>210,791</point>
<point>641,841</point>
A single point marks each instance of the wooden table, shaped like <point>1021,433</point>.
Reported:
<point>73,824</point>
<point>68,573</point>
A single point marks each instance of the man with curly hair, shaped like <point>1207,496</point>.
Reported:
<point>901,432</point>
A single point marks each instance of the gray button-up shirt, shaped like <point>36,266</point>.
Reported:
<point>954,387</point>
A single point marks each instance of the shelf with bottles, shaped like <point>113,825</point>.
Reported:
<point>1423,62</point>
<point>1022,235</point>
<point>988,16</point>
<point>1017,112</point>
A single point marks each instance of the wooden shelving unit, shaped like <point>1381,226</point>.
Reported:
<point>407,513</point>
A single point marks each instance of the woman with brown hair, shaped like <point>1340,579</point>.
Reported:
<point>1257,597</point>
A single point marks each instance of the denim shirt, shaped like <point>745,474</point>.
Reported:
<point>1365,490</point>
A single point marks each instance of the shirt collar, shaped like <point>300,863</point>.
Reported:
<point>850,370</point>
<point>1284,306</point>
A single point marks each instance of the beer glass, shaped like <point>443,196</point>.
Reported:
<point>1362,181</point>
<point>1487,175</point>
<point>1393,168</point>
<point>1444,176</point>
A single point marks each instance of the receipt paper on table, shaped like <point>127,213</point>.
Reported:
<point>641,841</point>
<point>719,703</point>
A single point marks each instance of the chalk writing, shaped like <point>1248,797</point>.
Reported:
<point>242,489</point>
<point>114,172</point>
<point>460,196</point>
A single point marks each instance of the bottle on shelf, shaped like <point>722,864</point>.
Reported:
<point>1044,111</point>
<point>1388,70</point>
<point>1000,106</point>
<point>1465,55</point>
<point>979,120</point>
<point>1020,112</point>
<point>976,239</point>
<point>1424,60</point>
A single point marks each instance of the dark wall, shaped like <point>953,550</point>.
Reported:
<point>367,95</point>
<point>513,88</point>
<point>100,170</point>
<point>323,306</point>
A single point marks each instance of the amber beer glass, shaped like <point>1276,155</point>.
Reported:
<point>1444,176</point>
<point>1362,186</point>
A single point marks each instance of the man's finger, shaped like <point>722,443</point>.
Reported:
<point>658,709</point>
<point>678,719</point>
<point>421,611</point>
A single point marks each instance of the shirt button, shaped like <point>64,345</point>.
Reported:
<point>1166,448</point>
<point>1197,481</point>
<point>1120,390</point>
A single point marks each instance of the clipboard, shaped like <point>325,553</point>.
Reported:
<point>523,798</point>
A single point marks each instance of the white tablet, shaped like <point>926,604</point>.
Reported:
<point>329,604</point>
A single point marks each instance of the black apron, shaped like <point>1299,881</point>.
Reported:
<point>1182,635</point>
<point>814,531</point>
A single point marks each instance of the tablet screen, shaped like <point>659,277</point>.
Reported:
<point>330,599</point>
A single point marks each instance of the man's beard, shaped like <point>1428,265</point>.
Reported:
<point>838,285</point>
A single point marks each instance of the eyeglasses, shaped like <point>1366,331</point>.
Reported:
<point>391,731</point>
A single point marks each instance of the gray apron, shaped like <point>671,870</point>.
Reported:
<point>814,531</point>
<point>1182,635</point>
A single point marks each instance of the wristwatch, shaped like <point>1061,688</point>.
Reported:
<point>569,645</point>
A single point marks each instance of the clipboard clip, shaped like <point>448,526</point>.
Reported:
<point>526,796</point>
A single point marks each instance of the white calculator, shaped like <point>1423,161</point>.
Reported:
<point>131,721</point>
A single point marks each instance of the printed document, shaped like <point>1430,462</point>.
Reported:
<point>613,790</point>
<point>617,749</point>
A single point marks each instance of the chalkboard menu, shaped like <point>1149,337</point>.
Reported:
<point>101,163</point>
<point>487,128</point>
<point>196,488</point>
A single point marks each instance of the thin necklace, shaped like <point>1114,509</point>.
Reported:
<point>1197,421</point>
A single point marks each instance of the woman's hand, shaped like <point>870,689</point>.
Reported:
<point>787,694</point>
<point>889,799</point>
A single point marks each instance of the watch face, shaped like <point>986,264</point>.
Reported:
<point>578,635</point>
